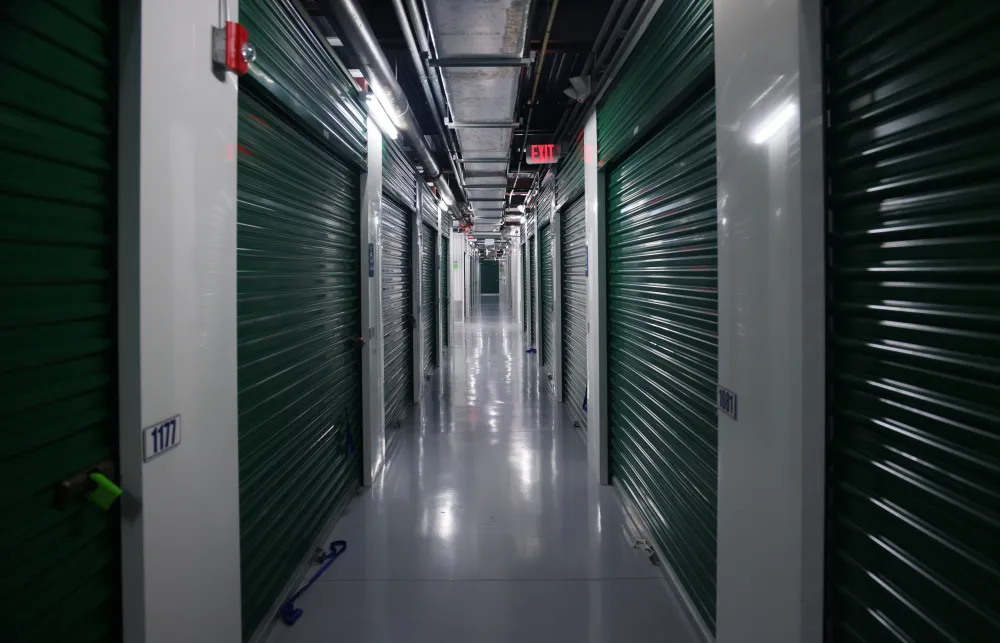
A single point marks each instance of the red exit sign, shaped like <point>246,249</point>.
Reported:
<point>540,154</point>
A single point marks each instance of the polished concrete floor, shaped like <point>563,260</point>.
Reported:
<point>487,525</point>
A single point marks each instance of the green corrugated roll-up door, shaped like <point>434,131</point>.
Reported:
<point>913,156</point>
<point>398,178</point>
<point>545,254</point>
<point>673,62</point>
<point>663,342</point>
<point>58,357</point>
<point>546,201</point>
<point>532,285</point>
<point>428,296</point>
<point>574,309</point>
<point>445,293</point>
<point>397,310</point>
<point>524,286</point>
<point>428,206</point>
<point>569,177</point>
<point>299,71</point>
<point>299,360</point>
<point>489,277</point>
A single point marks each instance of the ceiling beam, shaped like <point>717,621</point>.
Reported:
<point>479,61</point>
<point>481,124</point>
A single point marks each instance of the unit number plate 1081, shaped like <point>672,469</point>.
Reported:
<point>727,402</point>
<point>160,438</point>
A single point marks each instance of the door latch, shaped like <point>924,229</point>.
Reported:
<point>95,483</point>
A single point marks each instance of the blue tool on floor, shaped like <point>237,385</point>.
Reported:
<point>288,612</point>
<point>532,350</point>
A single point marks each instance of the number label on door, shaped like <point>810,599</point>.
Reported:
<point>160,438</point>
<point>727,402</point>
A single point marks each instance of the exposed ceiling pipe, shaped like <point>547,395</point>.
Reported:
<point>427,50</point>
<point>534,89</point>
<point>434,80</point>
<point>379,73</point>
<point>418,64</point>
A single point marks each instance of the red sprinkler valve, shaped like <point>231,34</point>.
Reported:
<point>232,49</point>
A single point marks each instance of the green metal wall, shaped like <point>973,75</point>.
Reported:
<point>546,201</point>
<point>397,309</point>
<point>489,277</point>
<point>302,146</point>
<point>532,287</point>
<point>545,254</point>
<point>569,177</point>
<point>574,309</point>
<point>445,292</point>
<point>299,362</point>
<point>913,156</point>
<point>300,72</point>
<point>524,287</point>
<point>663,342</point>
<point>428,205</point>
<point>667,67</point>
<point>58,405</point>
<point>428,295</point>
<point>399,179</point>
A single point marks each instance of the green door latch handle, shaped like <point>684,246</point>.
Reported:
<point>96,483</point>
<point>106,492</point>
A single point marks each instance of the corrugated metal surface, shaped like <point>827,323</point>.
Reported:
<point>574,309</point>
<point>445,293</point>
<point>524,287</point>
<point>914,318</point>
<point>673,59</point>
<point>428,295</point>
<point>299,364</point>
<point>399,179</point>
<point>663,342</point>
<point>397,310</point>
<point>58,388</point>
<point>569,177</point>
<point>545,263</point>
<point>300,72</point>
<point>428,205</point>
<point>544,203</point>
<point>532,286</point>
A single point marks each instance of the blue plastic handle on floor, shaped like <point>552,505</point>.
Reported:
<point>288,612</point>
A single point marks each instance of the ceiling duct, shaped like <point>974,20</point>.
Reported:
<point>483,95</point>
<point>379,73</point>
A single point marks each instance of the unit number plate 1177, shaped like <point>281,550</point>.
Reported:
<point>160,438</point>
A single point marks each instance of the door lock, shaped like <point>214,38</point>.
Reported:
<point>95,483</point>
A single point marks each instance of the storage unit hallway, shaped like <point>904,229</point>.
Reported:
<point>554,321</point>
<point>486,524</point>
